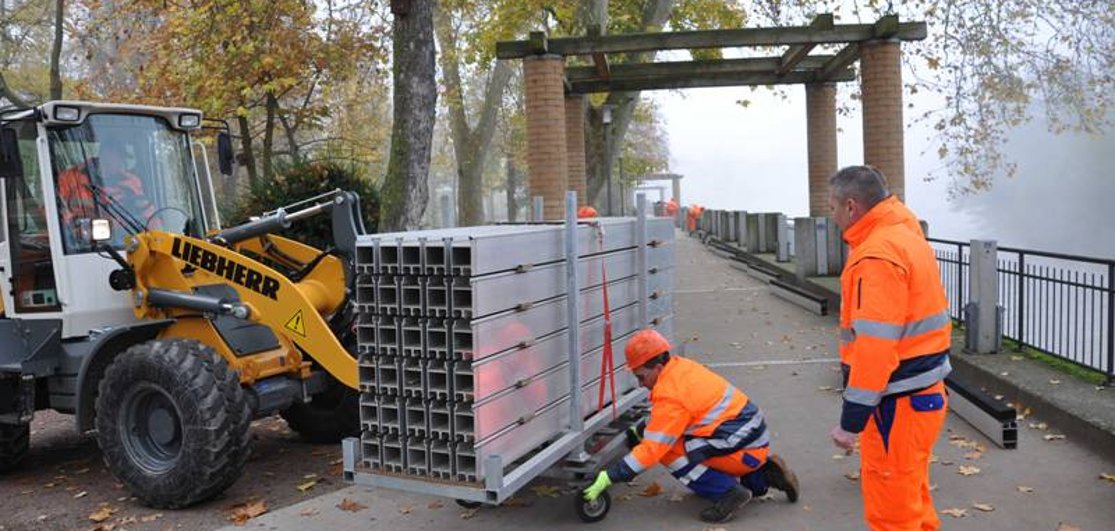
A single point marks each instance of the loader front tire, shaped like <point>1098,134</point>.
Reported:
<point>15,440</point>
<point>331,416</point>
<point>172,422</point>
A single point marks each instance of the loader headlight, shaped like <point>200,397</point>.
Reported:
<point>102,230</point>
<point>189,121</point>
<point>67,114</point>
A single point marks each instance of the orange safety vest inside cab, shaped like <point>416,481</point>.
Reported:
<point>895,328</point>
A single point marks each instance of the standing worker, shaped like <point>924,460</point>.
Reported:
<point>703,429</point>
<point>894,349</point>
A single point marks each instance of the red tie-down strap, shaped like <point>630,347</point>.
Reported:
<point>607,362</point>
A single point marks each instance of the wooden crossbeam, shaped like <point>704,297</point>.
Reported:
<point>846,56</point>
<point>599,60</point>
<point>692,68</point>
<point>740,37</point>
<point>708,80</point>
<point>796,53</point>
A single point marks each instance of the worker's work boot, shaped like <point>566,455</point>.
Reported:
<point>725,508</point>
<point>779,476</point>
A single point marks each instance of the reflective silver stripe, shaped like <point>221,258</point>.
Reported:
<point>924,326</point>
<point>924,379</point>
<point>693,444</point>
<point>716,411</point>
<point>739,434</point>
<point>881,330</point>
<point>863,396</point>
<point>634,464</point>
<point>763,440</point>
<point>660,437</point>
<point>693,474</point>
<point>678,464</point>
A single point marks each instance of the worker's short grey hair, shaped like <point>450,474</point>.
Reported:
<point>865,184</point>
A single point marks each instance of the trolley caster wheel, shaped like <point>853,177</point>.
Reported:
<point>468,504</point>
<point>593,511</point>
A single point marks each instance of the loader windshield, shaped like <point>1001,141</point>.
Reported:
<point>131,169</point>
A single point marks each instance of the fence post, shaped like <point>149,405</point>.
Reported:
<point>983,331</point>
<point>1110,323</point>
<point>1021,300</point>
<point>960,280</point>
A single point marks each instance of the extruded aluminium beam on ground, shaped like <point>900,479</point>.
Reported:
<point>727,38</point>
<point>992,418</point>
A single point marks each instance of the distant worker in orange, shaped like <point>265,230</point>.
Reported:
<point>587,212</point>
<point>894,348</point>
<point>671,208</point>
<point>109,173</point>
<point>704,429</point>
<point>694,216</point>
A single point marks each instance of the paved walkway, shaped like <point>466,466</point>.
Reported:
<point>784,358</point>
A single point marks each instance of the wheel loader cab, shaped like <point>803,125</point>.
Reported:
<point>130,165</point>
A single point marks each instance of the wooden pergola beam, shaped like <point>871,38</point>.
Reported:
<point>730,38</point>
<point>796,53</point>
<point>732,79</point>
<point>838,63</point>
<point>693,68</point>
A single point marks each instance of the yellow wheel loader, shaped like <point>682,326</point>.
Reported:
<point>124,302</point>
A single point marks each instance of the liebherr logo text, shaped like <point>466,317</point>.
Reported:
<point>218,265</point>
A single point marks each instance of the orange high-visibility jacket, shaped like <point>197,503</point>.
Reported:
<point>692,405</point>
<point>77,199</point>
<point>894,322</point>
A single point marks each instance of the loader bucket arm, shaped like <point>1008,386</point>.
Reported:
<point>294,311</point>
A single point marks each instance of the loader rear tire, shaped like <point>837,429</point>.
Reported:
<point>15,440</point>
<point>172,422</point>
<point>331,416</point>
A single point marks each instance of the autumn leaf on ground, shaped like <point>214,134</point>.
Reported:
<point>1061,526</point>
<point>308,511</point>
<point>654,489</point>
<point>854,476</point>
<point>985,507</point>
<point>973,455</point>
<point>515,501</point>
<point>933,458</point>
<point>676,496</point>
<point>1108,477</point>
<point>466,515</point>
<point>406,509</point>
<point>1039,426</point>
<point>436,504</point>
<point>102,513</point>
<point>837,457</point>
<point>240,514</point>
<point>1055,382</point>
<point>1016,358</point>
<point>105,527</point>
<point>551,491</point>
<point>1025,489</point>
<point>955,512</point>
<point>151,517</point>
<point>1054,437</point>
<point>351,506</point>
<point>81,494</point>
<point>965,470</point>
<point>307,485</point>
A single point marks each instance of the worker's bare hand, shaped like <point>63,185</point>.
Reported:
<point>843,439</point>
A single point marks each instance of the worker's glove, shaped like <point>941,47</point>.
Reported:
<point>598,487</point>
<point>634,436</point>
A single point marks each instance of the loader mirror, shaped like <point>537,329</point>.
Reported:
<point>102,230</point>
<point>224,153</point>
<point>11,166</point>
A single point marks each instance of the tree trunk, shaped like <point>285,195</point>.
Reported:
<point>406,187</point>
<point>292,143</point>
<point>247,155</point>
<point>655,15</point>
<point>512,190</point>
<point>269,139</point>
<point>56,51</point>
<point>470,145</point>
<point>12,96</point>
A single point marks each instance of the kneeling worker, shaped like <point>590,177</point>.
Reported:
<point>707,432</point>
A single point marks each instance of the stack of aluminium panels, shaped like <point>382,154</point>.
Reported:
<point>464,344</point>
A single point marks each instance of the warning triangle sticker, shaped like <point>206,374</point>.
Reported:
<point>296,324</point>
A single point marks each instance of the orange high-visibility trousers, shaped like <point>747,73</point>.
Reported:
<point>894,466</point>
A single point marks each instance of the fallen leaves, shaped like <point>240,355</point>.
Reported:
<point>307,485</point>
<point>1061,526</point>
<point>549,491</point>
<point>654,489</point>
<point>852,476</point>
<point>1054,382</point>
<point>405,509</point>
<point>1107,477</point>
<point>308,511</point>
<point>351,506</point>
<point>469,513</point>
<point>81,494</point>
<point>955,512</point>
<point>240,514</point>
<point>102,513</point>
<point>1054,437</point>
<point>1039,426</point>
<point>985,507</point>
<point>676,496</point>
<point>973,455</point>
<point>965,470</point>
<point>1025,490</point>
<point>436,504</point>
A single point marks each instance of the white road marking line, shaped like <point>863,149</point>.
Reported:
<point>771,362</point>
<point>713,290</point>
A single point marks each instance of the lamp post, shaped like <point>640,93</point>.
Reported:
<point>606,118</point>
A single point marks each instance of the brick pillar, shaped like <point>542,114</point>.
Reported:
<point>820,115</point>
<point>881,84</point>
<point>546,162</point>
<point>575,146</point>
